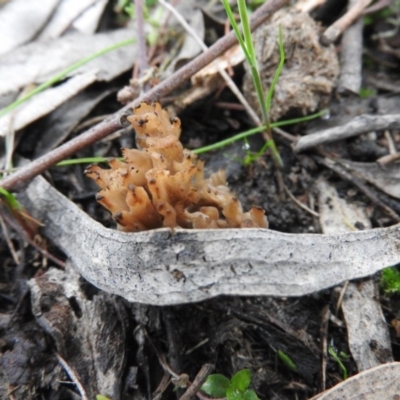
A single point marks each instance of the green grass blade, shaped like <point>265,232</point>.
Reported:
<point>242,135</point>
<point>235,27</point>
<point>63,74</point>
<point>277,72</point>
<point>211,147</point>
<point>214,146</point>
<point>244,19</point>
<point>333,353</point>
<point>10,199</point>
<point>87,160</point>
<point>287,360</point>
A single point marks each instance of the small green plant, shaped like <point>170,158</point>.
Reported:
<point>287,360</point>
<point>28,223</point>
<point>366,92</point>
<point>390,280</point>
<point>101,397</point>
<point>237,388</point>
<point>337,357</point>
<point>245,40</point>
<point>10,200</point>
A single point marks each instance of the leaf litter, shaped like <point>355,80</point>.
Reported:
<point>233,332</point>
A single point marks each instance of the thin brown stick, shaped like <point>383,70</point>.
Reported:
<point>379,5</point>
<point>340,25</point>
<point>358,125</point>
<point>116,121</point>
<point>324,346</point>
<point>200,378</point>
<point>307,6</point>
<point>141,38</point>
<point>351,56</point>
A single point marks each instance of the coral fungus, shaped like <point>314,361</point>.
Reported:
<point>161,184</point>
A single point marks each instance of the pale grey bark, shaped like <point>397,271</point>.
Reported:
<point>362,124</point>
<point>160,267</point>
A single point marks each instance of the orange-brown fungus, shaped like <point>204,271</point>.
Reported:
<point>161,184</point>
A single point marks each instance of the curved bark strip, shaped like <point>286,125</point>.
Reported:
<point>163,268</point>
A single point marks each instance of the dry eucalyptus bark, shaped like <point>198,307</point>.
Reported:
<point>381,382</point>
<point>162,268</point>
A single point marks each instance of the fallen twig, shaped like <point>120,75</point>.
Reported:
<point>379,5</point>
<point>340,25</point>
<point>308,5</point>
<point>361,124</point>
<point>116,121</point>
<point>200,378</point>
<point>351,56</point>
<point>141,39</point>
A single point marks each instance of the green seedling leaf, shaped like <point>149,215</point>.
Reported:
<point>366,92</point>
<point>10,200</point>
<point>390,280</point>
<point>277,72</point>
<point>28,223</point>
<point>250,395</point>
<point>241,380</point>
<point>287,360</point>
<point>216,385</point>
<point>334,355</point>
<point>234,393</point>
<point>101,397</point>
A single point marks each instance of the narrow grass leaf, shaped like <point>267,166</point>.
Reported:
<point>10,200</point>
<point>235,27</point>
<point>277,72</point>
<point>287,360</point>
<point>56,78</point>
<point>333,353</point>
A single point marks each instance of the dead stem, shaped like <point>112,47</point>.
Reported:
<point>141,38</point>
<point>339,26</point>
<point>324,346</point>
<point>379,5</point>
<point>351,56</point>
<point>200,378</point>
<point>36,167</point>
<point>307,6</point>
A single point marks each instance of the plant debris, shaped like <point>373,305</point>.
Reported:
<point>310,70</point>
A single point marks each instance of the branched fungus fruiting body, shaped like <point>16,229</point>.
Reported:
<point>161,184</point>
